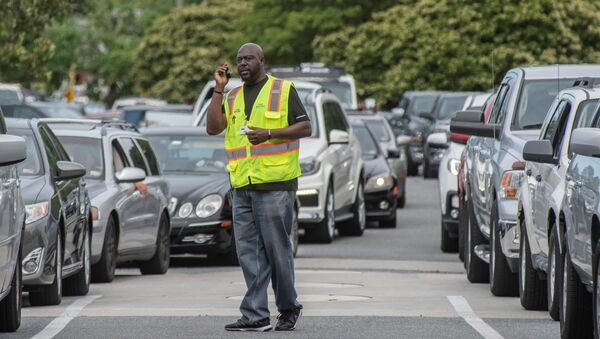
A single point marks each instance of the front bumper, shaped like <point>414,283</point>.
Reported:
<point>201,237</point>
<point>450,213</point>
<point>40,234</point>
<point>381,205</point>
<point>312,191</point>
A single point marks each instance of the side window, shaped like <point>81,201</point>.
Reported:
<point>150,156</point>
<point>559,134</point>
<point>498,104</point>
<point>552,127</point>
<point>2,124</point>
<point>501,105</point>
<point>59,149</point>
<point>133,153</point>
<point>340,117</point>
<point>329,118</point>
<point>118,156</point>
<point>51,153</point>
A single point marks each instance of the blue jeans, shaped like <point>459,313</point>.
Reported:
<point>262,223</point>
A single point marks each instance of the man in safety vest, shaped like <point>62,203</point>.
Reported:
<point>263,120</point>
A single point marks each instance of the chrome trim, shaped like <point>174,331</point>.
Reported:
<point>206,223</point>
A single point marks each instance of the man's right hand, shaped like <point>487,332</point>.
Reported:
<point>220,77</point>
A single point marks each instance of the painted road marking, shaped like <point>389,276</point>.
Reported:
<point>72,311</point>
<point>464,310</point>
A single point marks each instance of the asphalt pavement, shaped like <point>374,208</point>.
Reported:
<point>389,283</point>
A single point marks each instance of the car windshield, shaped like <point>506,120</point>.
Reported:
<point>367,143</point>
<point>535,100</point>
<point>379,130</point>
<point>60,111</point>
<point>422,104</point>
<point>32,166</point>
<point>449,106</point>
<point>8,96</point>
<point>342,90</point>
<point>182,153</point>
<point>86,151</point>
<point>585,115</point>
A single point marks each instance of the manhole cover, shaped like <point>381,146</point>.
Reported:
<point>318,297</point>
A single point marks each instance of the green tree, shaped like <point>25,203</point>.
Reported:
<point>24,50</point>
<point>466,45</point>
<point>180,51</point>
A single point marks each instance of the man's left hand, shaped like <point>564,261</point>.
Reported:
<point>257,135</point>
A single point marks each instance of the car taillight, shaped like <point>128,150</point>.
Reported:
<point>460,138</point>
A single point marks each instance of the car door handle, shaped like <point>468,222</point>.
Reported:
<point>538,178</point>
<point>528,172</point>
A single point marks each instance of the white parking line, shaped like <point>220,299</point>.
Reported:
<point>72,311</point>
<point>464,310</point>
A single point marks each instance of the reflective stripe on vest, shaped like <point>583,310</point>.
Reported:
<point>236,153</point>
<point>275,95</point>
<point>231,98</point>
<point>275,148</point>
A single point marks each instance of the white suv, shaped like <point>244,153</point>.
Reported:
<point>330,189</point>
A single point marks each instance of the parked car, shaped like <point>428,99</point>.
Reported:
<point>194,165</point>
<point>579,298</point>
<point>129,195</point>
<point>541,197</point>
<point>136,101</point>
<point>448,172</point>
<point>519,110</point>
<point>56,244</point>
<point>331,188</point>
<point>412,116</point>
<point>16,94</point>
<point>380,128</point>
<point>381,183</point>
<point>12,225</point>
<point>59,109</point>
<point>148,116</point>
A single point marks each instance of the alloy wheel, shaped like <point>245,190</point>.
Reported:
<point>86,260</point>
<point>330,214</point>
<point>552,276</point>
<point>523,265</point>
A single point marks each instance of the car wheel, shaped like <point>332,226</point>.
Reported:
<point>159,263</point>
<point>503,282</point>
<point>575,304</point>
<point>52,294</point>
<point>596,305</point>
<point>79,284</point>
<point>412,169</point>
<point>324,231</point>
<point>532,291</point>
<point>104,270</point>
<point>10,306</point>
<point>426,171</point>
<point>449,244</point>
<point>462,222</point>
<point>477,269</point>
<point>356,225</point>
<point>554,275</point>
<point>402,199</point>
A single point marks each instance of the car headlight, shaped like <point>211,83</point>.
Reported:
<point>309,166</point>
<point>453,166</point>
<point>209,205</point>
<point>172,205</point>
<point>185,210</point>
<point>379,182</point>
<point>36,212</point>
<point>510,184</point>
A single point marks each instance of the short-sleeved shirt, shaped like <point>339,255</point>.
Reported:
<point>296,113</point>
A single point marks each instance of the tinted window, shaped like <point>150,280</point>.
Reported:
<point>118,156</point>
<point>499,108</point>
<point>449,106</point>
<point>586,113</point>
<point>367,142</point>
<point>86,151</point>
<point>133,153</point>
<point>32,166</point>
<point>379,130</point>
<point>51,152</point>
<point>329,117</point>
<point>342,90</point>
<point>189,153</point>
<point>554,121</point>
<point>149,154</point>
<point>423,104</point>
<point>20,112</point>
<point>334,116</point>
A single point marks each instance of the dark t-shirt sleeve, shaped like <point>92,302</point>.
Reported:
<point>296,110</point>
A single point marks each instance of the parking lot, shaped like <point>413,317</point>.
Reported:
<point>389,283</point>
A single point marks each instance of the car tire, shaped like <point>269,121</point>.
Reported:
<point>324,231</point>
<point>402,199</point>
<point>159,263</point>
<point>448,243</point>
<point>389,223</point>
<point>412,168</point>
<point>596,293</point>
<point>104,270</point>
<point>79,284</point>
<point>10,306</point>
<point>503,282</point>
<point>554,275</point>
<point>356,226</point>
<point>576,309</point>
<point>477,269</point>
<point>426,170</point>
<point>52,294</point>
<point>532,289</point>
<point>462,222</point>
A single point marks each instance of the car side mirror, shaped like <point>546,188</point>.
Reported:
<point>584,141</point>
<point>130,175</point>
<point>539,151</point>
<point>393,153</point>
<point>472,123</point>
<point>403,140</point>
<point>438,139</point>
<point>337,136</point>
<point>69,170</point>
<point>427,115</point>
<point>398,111</point>
<point>13,150</point>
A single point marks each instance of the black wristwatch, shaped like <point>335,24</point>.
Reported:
<point>269,131</point>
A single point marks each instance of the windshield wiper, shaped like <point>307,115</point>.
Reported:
<point>532,126</point>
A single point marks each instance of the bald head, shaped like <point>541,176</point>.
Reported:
<point>251,63</point>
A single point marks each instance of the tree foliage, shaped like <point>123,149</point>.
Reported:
<point>461,45</point>
<point>180,51</point>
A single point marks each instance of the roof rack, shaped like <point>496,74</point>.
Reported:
<point>104,123</point>
<point>584,82</point>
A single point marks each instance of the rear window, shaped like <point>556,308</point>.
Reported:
<point>423,104</point>
<point>379,130</point>
<point>449,106</point>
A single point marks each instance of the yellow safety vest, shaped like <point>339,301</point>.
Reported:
<point>274,160</point>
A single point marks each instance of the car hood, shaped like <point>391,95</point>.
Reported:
<point>375,166</point>
<point>515,145</point>
<point>310,147</point>
<point>31,188</point>
<point>194,186</point>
